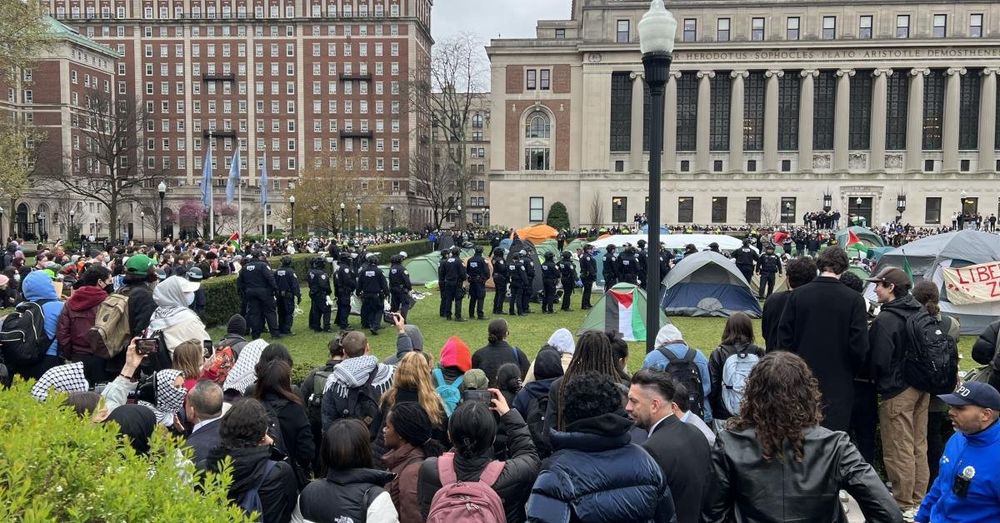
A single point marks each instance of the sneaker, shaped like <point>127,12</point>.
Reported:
<point>910,515</point>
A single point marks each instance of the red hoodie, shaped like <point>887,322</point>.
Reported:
<point>76,320</point>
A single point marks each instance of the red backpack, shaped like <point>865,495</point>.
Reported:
<point>466,502</point>
<point>218,366</point>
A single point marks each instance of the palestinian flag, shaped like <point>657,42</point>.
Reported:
<point>622,314</point>
<point>234,240</point>
<point>853,242</point>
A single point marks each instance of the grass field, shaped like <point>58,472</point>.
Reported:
<point>309,349</point>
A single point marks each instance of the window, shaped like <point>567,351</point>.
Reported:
<point>757,29</point>
<point>685,209</point>
<point>902,26</point>
<point>786,166</point>
<point>753,209</point>
<point>940,29</point>
<point>965,166</point>
<point>751,166</point>
<point>753,111</point>
<point>690,29</point>
<point>976,25</point>
<point>531,79</point>
<point>719,112</point>
<point>722,30</point>
<point>932,211</point>
<point>536,209</point>
<point>619,209</point>
<point>788,210</point>
<point>560,34</point>
<point>719,209</point>
<point>717,166</point>
<point>621,111</point>
<point>619,166</point>
<point>685,166</point>
<point>687,111</point>
<point>537,134</point>
<point>897,97</point>
<point>622,33</point>
<point>544,79</point>
<point>829,27</point>
<point>968,122</point>
<point>792,28</point>
<point>788,112</point>
<point>865,28</point>
<point>933,109</point>
<point>859,134</point>
<point>824,101</point>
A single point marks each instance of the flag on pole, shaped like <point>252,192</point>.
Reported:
<point>206,177</point>
<point>234,240</point>
<point>234,176</point>
<point>906,267</point>
<point>854,242</point>
<point>622,314</point>
<point>263,183</point>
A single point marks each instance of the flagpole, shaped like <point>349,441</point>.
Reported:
<point>211,191</point>
<point>239,207</point>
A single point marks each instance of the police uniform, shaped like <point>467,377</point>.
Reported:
<point>767,267</point>
<point>443,310</point>
<point>519,281</point>
<point>527,293</point>
<point>288,291</point>
<point>610,267</point>
<point>451,286</point>
<point>640,258</point>
<point>478,273</point>
<point>373,290</point>
<point>499,281</point>
<point>345,282</point>
<point>628,267</point>
<point>745,258</point>
<point>256,280</point>
<point>319,291</point>
<point>588,274</point>
<point>550,277</point>
<point>399,287</point>
<point>568,276</point>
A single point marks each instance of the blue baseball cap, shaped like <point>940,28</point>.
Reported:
<point>974,393</point>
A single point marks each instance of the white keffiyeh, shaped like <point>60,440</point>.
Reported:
<point>243,374</point>
<point>64,378</point>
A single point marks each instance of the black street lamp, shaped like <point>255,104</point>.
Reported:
<point>343,223</point>
<point>358,209</point>
<point>656,42</point>
<point>827,202</point>
<point>486,218</point>
<point>162,189</point>
<point>392,218</point>
<point>901,203</point>
<point>291,203</point>
<point>142,226</point>
<point>72,214</point>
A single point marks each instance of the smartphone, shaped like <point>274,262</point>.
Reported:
<point>482,396</point>
<point>389,317</point>
<point>146,346</point>
<point>208,348</point>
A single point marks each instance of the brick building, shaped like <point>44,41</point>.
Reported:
<point>477,161</point>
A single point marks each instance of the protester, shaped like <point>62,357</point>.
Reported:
<point>361,373</point>
<point>682,453</point>
<point>682,409</point>
<point>409,339</point>
<point>204,410</point>
<point>532,400</point>
<point>83,403</point>
<point>38,288</point>
<point>236,332</point>
<point>188,358</point>
<point>408,435</point>
<point>562,341</point>
<point>412,383</point>
<point>136,423</point>
<point>728,377</point>
<point>498,352</point>
<point>984,350</point>
<point>172,319</point>
<point>77,318</point>
<point>798,272</point>
<point>686,364</point>
<point>274,391</point>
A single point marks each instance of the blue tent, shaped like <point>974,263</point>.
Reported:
<point>707,284</point>
<point>645,229</point>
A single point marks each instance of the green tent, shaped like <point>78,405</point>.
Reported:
<point>867,237</point>
<point>424,269</point>
<point>623,308</point>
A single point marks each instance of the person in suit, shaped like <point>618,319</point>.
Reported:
<point>679,448</point>
<point>799,272</point>
<point>204,410</point>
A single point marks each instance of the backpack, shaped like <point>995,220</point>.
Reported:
<point>451,394</point>
<point>686,373</point>
<point>931,358</point>
<point>534,417</point>
<point>466,502</point>
<point>735,372</point>
<point>361,403</point>
<point>22,335</point>
<point>110,333</point>
<point>250,501</point>
<point>218,366</point>
<point>314,402</point>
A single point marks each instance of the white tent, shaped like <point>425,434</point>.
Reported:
<point>673,241</point>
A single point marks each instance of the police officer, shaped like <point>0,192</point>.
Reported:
<point>665,257</point>
<point>451,287</point>
<point>550,278</point>
<point>399,286</point>
<point>588,274</point>
<point>445,305</point>
<point>628,266</point>
<point>195,274</point>
<point>373,290</point>
<point>568,277</point>
<point>528,293</point>
<point>256,280</point>
<point>519,281</point>
<point>768,266</point>
<point>345,282</point>
<point>499,280</point>
<point>478,273</point>
<point>288,291</point>
<point>640,258</point>
<point>610,271</point>
<point>319,293</point>
<point>746,258</point>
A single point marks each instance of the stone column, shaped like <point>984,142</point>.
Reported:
<point>807,100</point>
<point>670,124</point>
<point>879,113</point>
<point>915,120</point>
<point>842,120</point>
<point>952,107</point>
<point>987,120</point>
<point>771,121</point>
<point>736,111</point>
<point>703,154</point>
<point>635,146</point>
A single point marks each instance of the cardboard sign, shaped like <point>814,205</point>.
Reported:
<point>973,284</point>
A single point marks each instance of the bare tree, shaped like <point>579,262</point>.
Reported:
<point>105,167</point>
<point>768,214</point>
<point>320,191</point>
<point>596,211</point>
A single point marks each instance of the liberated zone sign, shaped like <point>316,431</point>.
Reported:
<point>973,284</point>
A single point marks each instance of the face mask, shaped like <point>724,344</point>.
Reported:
<point>189,297</point>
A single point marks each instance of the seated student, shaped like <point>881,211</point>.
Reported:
<point>408,436</point>
<point>498,352</point>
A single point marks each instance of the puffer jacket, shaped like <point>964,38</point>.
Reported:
<point>597,475</point>
<point>77,318</point>
<point>514,482</point>
<point>347,495</point>
<point>278,490</point>
<point>786,490</point>
<point>888,342</point>
<point>985,348</point>
<point>405,462</point>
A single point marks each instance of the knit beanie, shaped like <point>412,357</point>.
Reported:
<point>416,337</point>
<point>548,364</point>
<point>237,325</point>
<point>411,423</point>
<point>455,353</point>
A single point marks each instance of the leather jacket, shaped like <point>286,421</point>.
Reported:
<point>751,490</point>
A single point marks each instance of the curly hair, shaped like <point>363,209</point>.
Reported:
<point>594,352</point>
<point>591,394</point>
<point>781,400</point>
<point>244,425</point>
<point>414,373</point>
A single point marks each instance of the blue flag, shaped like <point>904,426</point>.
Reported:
<point>234,176</point>
<point>263,183</point>
<point>206,177</point>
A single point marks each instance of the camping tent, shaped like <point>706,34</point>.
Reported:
<point>531,252</point>
<point>424,269</point>
<point>623,308</point>
<point>867,237</point>
<point>674,242</point>
<point>537,233</point>
<point>707,284</point>
<point>928,257</point>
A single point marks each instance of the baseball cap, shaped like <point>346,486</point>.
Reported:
<point>974,393</point>
<point>138,264</point>
<point>893,275</point>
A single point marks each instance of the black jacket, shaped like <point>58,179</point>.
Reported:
<point>985,348</point>
<point>716,363</point>
<point>774,306</point>
<point>588,267</point>
<point>514,483</point>
<point>140,306</point>
<point>683,454</point>
<point>296,433</point>
<point>888,342</point>
<point>205,440</point>
<point>786,490</point>
<point>278,492</point>
<point>491,357</point>
<point>344,495</point>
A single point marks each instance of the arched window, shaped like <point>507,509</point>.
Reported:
<point>537,126</point>
<point>537,135</point>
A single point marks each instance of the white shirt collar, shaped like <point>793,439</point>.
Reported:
<point>657,424</point>
<point>202,423</point>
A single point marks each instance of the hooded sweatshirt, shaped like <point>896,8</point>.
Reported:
<point>562,340</point>
<point>37,286</point>
<point>411,339</point>
<point>74,325</point>
<point>172,317</point>
<point>887,342</point>
<point>669,338</point>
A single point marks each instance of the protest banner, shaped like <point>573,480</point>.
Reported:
<point>973,284</point>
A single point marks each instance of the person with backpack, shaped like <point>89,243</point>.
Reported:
<point>408,434</point>
<point>686,364</point>
<point>498,351</point>
<point>412,382</point>
<point>355,387</point>
<point>236,332</point>
<point>262,483</point>
<point>904,402</point>
<point>76,320</point>
<point>449,376</point>
<point>595,473</point>
<point>562,341</point>
<point>274,392</point>
<point>468,484</point>
<point>136,288</point>
<point>730,365</point>
<point>532,401</point>
<point>28,336</point>
<point>311,392</point>
<point>682,409</point>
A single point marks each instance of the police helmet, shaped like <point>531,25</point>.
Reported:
<point>286,261</point>
<point>317,262</point>
<point>550,255</point>
<point>195,274</point>
<point>642,243</point>
<point>588,248</point>
<point>610,248</point>
<point>497,252</point>
<point>402,255</point>
<point>479,249</point>
<point>566,255</point>
<point>372,257</point>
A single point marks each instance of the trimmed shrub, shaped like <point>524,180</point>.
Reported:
<point>558,216</point>
<point>57,467</point>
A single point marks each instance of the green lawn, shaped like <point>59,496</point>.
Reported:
<point>530,332</point>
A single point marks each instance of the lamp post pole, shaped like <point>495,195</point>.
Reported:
<point>656,41</point>
<point>72,212</point>
<point>291,203</point>
<point>142,226</point>
<point>342,222</point>
<point>358,210</point>
<point>162,188</point>
<point>392,218</point>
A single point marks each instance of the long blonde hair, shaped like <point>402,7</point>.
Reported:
<point>414,373</point>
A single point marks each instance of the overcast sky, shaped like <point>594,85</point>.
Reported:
<point>488,18</point>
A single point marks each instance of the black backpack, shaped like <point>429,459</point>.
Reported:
<point>314,402</point>
<point>22,335</point>
<point>361,403</point>
<point>534,417</point>
<point>685,372</point>
<point>931,358</point>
